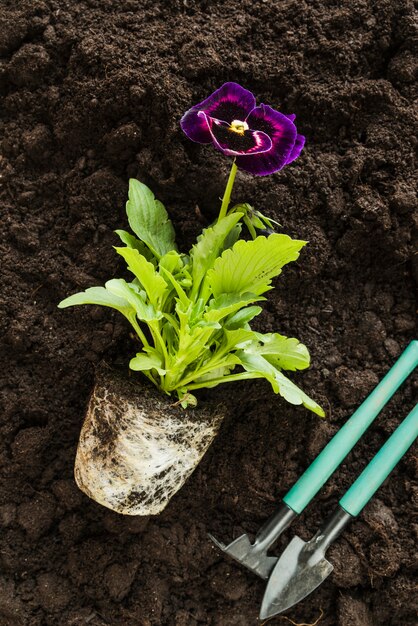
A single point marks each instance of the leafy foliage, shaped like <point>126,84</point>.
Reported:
<point>192,313</point>
<point>250,265</point>
<point>149,220</point>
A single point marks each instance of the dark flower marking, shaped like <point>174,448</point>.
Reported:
<point>261,139</point>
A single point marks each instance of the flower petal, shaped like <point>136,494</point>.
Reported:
<point>195,126</point>
<point>232,143</point>
<point>297,148</point>
<point>282,133</point>
<point>229,102</point>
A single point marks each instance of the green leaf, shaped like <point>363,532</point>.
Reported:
<point>196,312</point>
<point>182,296</point>
<point>132,242</point>
<point>228,303</point>
<point>193,344</point>
<point>154,284</point>
<point>145,311</point>
<point>294,395</point>
<point>234,339</point>
<point>145,362</point>
<point>283,352</point>
<point>205,324</point>
<point>170,337</point>
<point>208,248</point>
<point>254,220</point>
<point>103,297</point>
<point>250,265</point>
<point>259,366</point>
<point>233,236</point>
<point>221,369</point>
<point>242,317</point>
<point>96,295</point>
<point>149,220</point>
<point>172,262</point>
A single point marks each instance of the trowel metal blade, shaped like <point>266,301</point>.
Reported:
<point>300,570</point>
<point>243,551</point>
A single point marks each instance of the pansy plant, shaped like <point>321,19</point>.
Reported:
<point>192,312</point>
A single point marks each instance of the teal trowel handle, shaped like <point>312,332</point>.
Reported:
<point>381,465</point>
<point>340,445</point>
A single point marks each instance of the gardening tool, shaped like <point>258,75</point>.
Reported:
<point>303,567</point>
<point>254,555</point>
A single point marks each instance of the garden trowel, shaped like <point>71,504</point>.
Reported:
<point>254,555</point>
<point>303,567</point>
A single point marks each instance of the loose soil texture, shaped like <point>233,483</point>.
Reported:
<point>93,93</point>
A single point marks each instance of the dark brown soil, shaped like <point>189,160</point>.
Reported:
<point>94,91</point>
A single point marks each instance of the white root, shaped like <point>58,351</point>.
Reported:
<point>136,449</point>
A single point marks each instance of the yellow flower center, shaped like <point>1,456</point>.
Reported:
<point>238,127</point>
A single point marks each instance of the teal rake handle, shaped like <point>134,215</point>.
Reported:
<point>340,445</point>
<point>381,465</point>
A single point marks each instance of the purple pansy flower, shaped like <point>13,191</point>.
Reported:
<point>261,139</point>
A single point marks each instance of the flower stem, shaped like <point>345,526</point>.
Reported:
<point>228,190</point>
